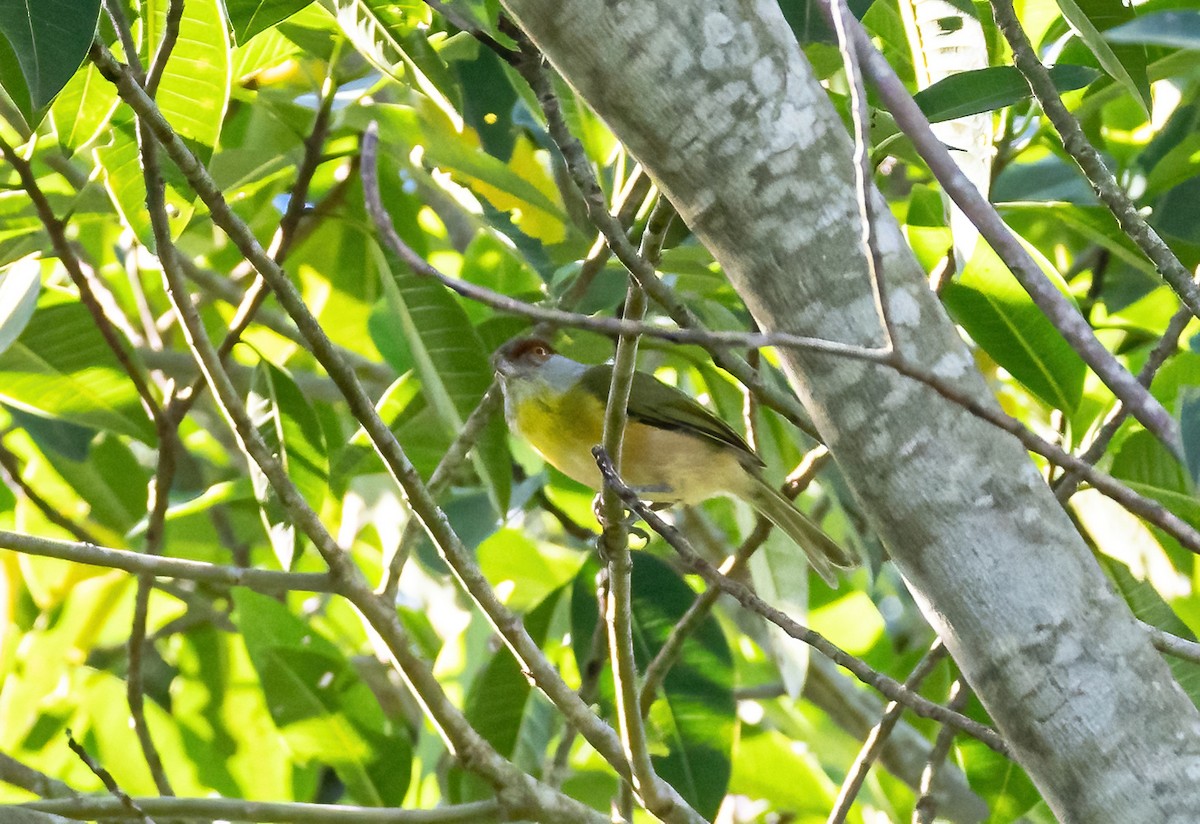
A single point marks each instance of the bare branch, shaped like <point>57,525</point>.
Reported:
<point>234,809</point>
<point>889,687</point>
<point>926,809</point>
<point>1076,144</point>
<point>259,580</point>
<point>872,748</point>
<point>1057,309</point>
<point>110,783</point>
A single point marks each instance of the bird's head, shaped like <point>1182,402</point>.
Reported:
<point>522,357</point>
<point>532,362</point>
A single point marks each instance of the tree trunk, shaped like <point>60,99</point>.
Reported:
<point>715,98</point>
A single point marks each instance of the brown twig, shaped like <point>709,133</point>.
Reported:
<point>872,748</point>
<point>889,687</point>
<point>110,783</point>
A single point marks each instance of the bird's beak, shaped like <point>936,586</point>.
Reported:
<point>501,364</point>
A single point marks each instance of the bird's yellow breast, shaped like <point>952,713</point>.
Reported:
<point>663,464</point>
<point>563,428</point>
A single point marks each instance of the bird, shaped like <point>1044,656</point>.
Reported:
<point>675,450</point>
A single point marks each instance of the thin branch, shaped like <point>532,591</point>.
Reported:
<point>128,804</point>
<point>157,503</point>
<point>10,466</point>
<point>234,809</point>
<point>863,167</point>
<point>1076,144</point>
<point>120,24</point>
<point>889,687</point>
<point>1057,309</point>
<point>260,580</point>
<point>712,340</point>
<point>1172,644</point>
<point>1167,345</point>
<point>15,773</point>
<point>614,548</point>
<point>166,425</point>
<point>926,808</point>
<point>872,748</point>
<point>165,46</point>
<point>56,229</point>
<point>472,750</point>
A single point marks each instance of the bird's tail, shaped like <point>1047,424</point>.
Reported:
<point>823,552</point>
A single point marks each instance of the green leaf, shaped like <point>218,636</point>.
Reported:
<point>769,766</point>
<point>110,479</point>
<point>291,430</point>
<point>1179,29</point>
<point>388,35</point>
<point>1089,18</point>
<point>249,17</point>
<point>983,90</point>
<point>511,560</point>
<point>1189,429</point>
<point>694,717</point>
<point>20,284</point>
<point>1149,606</point>
<point>60,367</point>
<point>194,90</point>
<point>83,108</point>
<point>48,40</point>
<point>126,186</point>
<point>453,366</point>
<point>1094,223</point>
<point>503,707</point>
<point>1000,316</point>
<point>507,186</point>
<point>320,705</point>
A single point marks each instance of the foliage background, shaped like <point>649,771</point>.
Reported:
<point>280,696</point>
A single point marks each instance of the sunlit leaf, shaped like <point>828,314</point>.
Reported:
<point>1179,28</point>
<point>249,17</point>
<point>20,284</point>
<point>60,367</point>
<point>453,366</point>
<point>1091,17</point>
<point>387,35</point>
<point>320,705</point>
<point>983,90</point>
<point>292,432</point>
<point>991,305</point>
<point>514,718</point>
<point>694,716</point>
<point>83,108</point>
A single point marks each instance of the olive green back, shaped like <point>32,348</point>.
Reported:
<point>654,403</point>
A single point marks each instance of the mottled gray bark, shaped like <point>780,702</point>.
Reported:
<point>715,98</point>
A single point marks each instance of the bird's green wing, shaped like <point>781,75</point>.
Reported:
<point>655,403</point>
